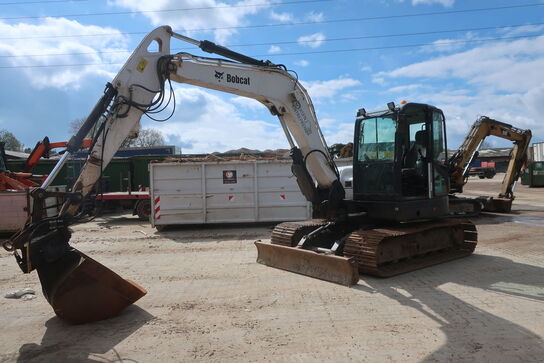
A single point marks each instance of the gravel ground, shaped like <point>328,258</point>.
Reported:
<point>209,301</point>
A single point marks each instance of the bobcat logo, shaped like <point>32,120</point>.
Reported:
<point>219,75</point>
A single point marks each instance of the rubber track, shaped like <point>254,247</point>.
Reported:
<point>289,233</point>
<point>366,246</point>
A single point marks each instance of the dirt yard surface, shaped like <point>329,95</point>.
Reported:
<point>209,300</point>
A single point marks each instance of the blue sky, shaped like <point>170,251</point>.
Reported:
<point>55,61</point>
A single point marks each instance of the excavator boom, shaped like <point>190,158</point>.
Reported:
<point>459,163</point>
<point>79,288</point>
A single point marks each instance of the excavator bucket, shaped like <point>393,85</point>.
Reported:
<point>498,205</point>
<point>81,290</point>
<point>340,270</point>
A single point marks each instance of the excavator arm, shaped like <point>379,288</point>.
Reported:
<point>82,290</point>
<point>140,87</point>
<point>459,163</point>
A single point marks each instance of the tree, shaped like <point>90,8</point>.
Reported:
<point>146,137</point>
<point>10,141</point>
<point>75,125</point>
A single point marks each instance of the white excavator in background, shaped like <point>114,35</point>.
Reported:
<point>396,221</point>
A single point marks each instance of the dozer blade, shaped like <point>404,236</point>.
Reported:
<point>340,270</point>
<point>81,290</point>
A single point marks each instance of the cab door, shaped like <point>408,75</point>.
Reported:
<point>439,155</point>
<point>374,159</point>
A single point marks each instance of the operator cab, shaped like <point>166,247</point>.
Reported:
<point>398,163</point>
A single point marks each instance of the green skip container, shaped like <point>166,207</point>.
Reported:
<point>533,175</point>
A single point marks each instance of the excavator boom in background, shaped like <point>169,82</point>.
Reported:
<point>459,163</point>
<point>396,221</point>
<point>10,180</point>
<point>25,179</point>
<point>42,150</point>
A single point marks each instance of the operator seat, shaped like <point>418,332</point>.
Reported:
<point>413,170</point>
<point>417,151</point>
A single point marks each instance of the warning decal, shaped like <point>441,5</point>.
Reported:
<point>141,65</point>
<point>158,207</point>
<point>229,177</point>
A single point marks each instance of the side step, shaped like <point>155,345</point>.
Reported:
<point>337,269</point>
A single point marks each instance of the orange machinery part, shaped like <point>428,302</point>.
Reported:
<point>43,147</point>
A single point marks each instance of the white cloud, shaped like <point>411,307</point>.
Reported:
<point>522,30</point>
<point>500,80</point>
<point>404,88</point>
<point>207,122</point>
<point>504,66</point>
<point>379,80</point>
<point>100,50</point>
<point>327,122</point>
<point>282,17</point>
<point>302,63</point>
<point>342,132</point>
<point>274,49</point>
<point>313,16</point>
<point>248,103</point>
<point>449,45</point>
<point>446,3</point>
<point>312,41</point>
<point>216,15</point>
<point>329,89</point>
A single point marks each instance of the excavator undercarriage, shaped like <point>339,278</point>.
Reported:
<point>372,249</point>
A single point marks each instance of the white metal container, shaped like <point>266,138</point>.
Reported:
<point>15,208</point>
<point>538,151</point>
<point>225,192</point>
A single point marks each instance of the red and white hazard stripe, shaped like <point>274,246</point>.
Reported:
<point>157,206</point>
